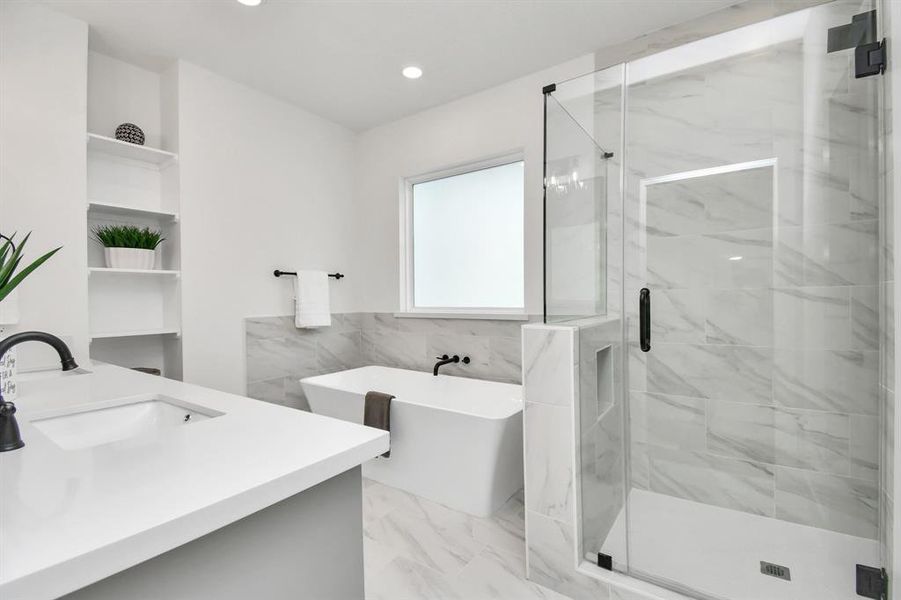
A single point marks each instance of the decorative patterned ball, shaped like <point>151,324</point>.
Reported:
<point>131,133</point>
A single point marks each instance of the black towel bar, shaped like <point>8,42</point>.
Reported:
<point>278,273</point>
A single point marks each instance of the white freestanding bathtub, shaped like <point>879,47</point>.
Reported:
<point>454,440</point>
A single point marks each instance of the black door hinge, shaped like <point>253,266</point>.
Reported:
<point>860,34</point>
<point>869,59</point>
<point>861,30</point>
<point>872,582</point>
<point>605,561</point>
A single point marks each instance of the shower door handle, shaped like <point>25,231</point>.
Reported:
<point>644,319</point>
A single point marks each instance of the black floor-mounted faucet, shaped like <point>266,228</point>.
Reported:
<point>10,438</point>
<point>442,360</point>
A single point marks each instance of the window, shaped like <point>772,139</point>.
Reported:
<point>464,240</point>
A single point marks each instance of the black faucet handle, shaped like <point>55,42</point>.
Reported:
<point>466,360</point>
<point>10,438</point>
<point>445,357</point>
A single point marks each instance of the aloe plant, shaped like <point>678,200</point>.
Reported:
<point>128,236</point>
<point>10,257</point>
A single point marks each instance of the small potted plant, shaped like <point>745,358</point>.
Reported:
<point>10,257</point>
<point>128,246</point>
<point>10,278</point>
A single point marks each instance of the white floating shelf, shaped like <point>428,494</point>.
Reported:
<point>108,145</point>
<point>137,333</point>
<point>124,210</point>
<point>160,272</point>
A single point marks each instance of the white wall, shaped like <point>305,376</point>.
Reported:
<point>264,185</point>
<point>43,75</point>
<point>119,92</point>
<point>501,120</point>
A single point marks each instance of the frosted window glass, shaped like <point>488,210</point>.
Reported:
<point>468,240</point>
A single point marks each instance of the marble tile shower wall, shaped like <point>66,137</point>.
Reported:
<point>761,392</point>
<point>278,354</point>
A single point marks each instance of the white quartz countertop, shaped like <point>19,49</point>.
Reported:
<point>69,518</point>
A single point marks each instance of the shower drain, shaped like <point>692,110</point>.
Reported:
<point>774,570</point>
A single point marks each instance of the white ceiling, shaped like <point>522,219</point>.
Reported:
<point>341,59</point>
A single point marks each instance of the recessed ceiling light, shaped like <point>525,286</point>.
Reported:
<point>736,257</point>
<point>250,2</point>
<point>412,72</point>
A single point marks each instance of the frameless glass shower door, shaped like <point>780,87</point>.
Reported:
<point>740,458</point>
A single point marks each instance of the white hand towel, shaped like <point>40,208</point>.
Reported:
<point>311,303</point>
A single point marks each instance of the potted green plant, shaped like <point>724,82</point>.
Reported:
<point>129,246</point>
<point>10,278</point>
<point>10,258</point>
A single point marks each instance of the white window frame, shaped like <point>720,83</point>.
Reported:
<point>407,306</point>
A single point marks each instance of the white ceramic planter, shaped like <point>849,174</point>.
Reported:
<point>129,258</point>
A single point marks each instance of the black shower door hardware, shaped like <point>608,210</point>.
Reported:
<point>644,319</point>
<point>860,34</point>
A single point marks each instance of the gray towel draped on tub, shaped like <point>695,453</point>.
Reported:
<point>377,413</point>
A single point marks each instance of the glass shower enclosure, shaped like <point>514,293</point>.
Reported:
<point>732,424</point>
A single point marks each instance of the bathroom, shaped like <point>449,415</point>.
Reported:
<point>464,300</point>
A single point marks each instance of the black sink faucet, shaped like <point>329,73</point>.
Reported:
<point>442,360</point>
<point>10,439</point>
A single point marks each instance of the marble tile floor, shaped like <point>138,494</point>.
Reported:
<point>416,549</point>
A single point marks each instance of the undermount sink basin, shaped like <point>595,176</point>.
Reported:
<point>137,416</point>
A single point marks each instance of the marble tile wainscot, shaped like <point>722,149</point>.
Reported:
<point>278,354</point>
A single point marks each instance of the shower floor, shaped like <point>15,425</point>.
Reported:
<point>717,551</point>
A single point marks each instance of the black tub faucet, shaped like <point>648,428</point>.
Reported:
<point>442,360</point>
<point>10,438</point>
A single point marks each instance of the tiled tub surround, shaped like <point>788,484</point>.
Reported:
<point>279,354</point>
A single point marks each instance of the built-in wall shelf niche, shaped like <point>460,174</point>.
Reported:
<point>138,272</point>
<point>112,147</point>
<point>154,349</point>
<point>126,180</point>
<point>122,302</point>
<point>124,212</point>
<point>128,334</point>
<point>134,315</point>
